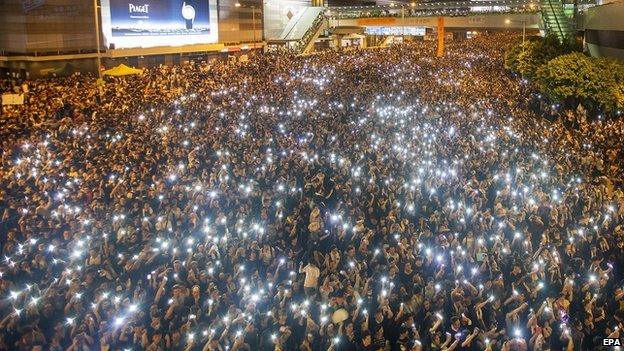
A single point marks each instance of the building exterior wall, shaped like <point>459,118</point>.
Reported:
<point>604,30</point>
<point>41,27</point>
<point>236,24</point>
<point>48,26</point>
<point>12,30</point>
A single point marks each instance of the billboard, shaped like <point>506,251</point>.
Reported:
<point>146,23</point>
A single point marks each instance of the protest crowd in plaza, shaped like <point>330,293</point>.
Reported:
<point>377,199</point>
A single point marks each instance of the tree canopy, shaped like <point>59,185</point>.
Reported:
<point>565,74</point>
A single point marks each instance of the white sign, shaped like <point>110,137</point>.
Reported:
<point>29,5</point>
<point>12,99</point>
<point>149,23</point>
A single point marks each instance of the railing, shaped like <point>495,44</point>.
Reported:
<point>456,8</point>
<point>435,5</point>
<point>309,34</point>
<point>552,9</point>
<point>437,12</point>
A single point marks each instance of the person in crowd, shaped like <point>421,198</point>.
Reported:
<point>366,200</point>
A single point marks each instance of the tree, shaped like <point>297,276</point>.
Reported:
<point>612,76</point>
<point>575,77</point>
<point>511,57</point>
<point>525,58</point>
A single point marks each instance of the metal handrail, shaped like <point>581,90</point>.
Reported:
<point>556,19</point>
<point>301,45</point>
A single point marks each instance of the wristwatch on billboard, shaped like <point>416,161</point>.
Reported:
<point>188,13</point>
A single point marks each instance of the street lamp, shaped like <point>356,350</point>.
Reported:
<point>508,21</point>
<point>97,37</point>
<point>403,6</point>
<point>253,19</point>
<point>402,23</point>
<point>413,14</point>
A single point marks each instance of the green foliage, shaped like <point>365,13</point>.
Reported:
<point>576,77</point>
<point>511,57</point>
<point>564,74</point>
<point>528,57</point>
<point>612,76</point>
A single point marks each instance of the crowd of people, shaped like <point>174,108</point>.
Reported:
<point>377,199</point>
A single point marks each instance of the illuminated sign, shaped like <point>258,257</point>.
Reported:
<point>159,22</point>
<point>418,31</point>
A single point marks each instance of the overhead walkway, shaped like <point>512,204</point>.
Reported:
<point>448,6</point>
<point>305,28</point>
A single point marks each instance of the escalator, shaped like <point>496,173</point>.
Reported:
<point>556,21</point>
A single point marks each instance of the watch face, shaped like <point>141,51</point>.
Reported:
<point>188,12</point>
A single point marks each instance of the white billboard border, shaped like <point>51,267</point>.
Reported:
<point>134,42</point>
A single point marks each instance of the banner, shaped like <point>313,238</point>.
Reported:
<point>145,23</point>
<point>407,30</point>
<point>12,99</point>
<point>381,21</point>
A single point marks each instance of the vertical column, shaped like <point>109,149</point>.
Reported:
<point>440,51</point>
<point>337,39</point>
<point>96,17</point>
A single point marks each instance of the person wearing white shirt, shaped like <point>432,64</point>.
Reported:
<point>312,273</point>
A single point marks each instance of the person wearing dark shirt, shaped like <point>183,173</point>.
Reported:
<point>367,342</point>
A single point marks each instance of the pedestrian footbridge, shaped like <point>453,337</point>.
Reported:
<point>312,25</point>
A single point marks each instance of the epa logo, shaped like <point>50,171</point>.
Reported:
<point>611,342</point>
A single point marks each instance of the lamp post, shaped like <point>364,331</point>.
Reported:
<point>402,23</point>
<point>413,14</point>
<point>97,37</point>
<point>508,21</point>
<point>253,19</point>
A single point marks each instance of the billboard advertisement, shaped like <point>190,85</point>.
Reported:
<point>146,23</point>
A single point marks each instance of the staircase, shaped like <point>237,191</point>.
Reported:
<point>300,23</point>
<point>555,20</point>
<point>303,29</point>
<point>386,41</point>
<point>306,44</point>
